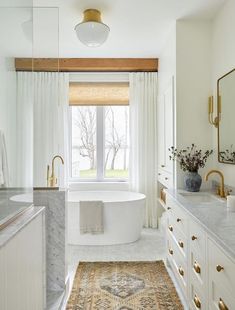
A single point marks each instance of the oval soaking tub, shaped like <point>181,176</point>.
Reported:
<point>123,217</point>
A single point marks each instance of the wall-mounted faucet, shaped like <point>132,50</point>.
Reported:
<point>52,180</point>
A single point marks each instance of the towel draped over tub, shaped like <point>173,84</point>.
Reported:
<point>91,217</point>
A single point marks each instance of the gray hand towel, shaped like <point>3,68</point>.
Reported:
<point>91,217</point>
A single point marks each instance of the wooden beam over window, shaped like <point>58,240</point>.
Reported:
<point>87,64</point>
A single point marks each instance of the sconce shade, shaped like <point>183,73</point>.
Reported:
<point>91,31</point>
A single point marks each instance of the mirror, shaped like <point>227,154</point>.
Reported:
<point>226,113</point>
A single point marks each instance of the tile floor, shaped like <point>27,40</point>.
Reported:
<point>148,248</point>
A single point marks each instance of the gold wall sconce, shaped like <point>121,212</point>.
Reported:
<point>214,120</point>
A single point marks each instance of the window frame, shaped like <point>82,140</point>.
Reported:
<point>100,152</point>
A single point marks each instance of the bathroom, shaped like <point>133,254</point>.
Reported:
<point>99,209</point>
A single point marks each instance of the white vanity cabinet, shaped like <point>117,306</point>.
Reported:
<point>197,263</point>
<point>22,268</point>
<point>221,278</point>
<point>177,228</point>
<point>165,117</point>
<point>204,272</point>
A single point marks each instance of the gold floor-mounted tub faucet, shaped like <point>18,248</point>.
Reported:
<point>52,179</point>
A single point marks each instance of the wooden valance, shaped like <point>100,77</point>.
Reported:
<point>87,64</point>
<point>98,93</point>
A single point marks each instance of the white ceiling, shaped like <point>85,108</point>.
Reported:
<point>138,28</point>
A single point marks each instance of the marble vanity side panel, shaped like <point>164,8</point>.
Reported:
<point>55,203</point>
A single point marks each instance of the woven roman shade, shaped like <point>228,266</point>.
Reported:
<point>98,93</point>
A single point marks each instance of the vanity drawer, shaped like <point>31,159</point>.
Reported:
<point>178,238</point>
<point>179,218</point>
<point>165,178</point>
<point>178,265</point>
<point>197,239</point>
<point>220,298</point>
<point>198,270</point>
<point>221,268</point>
<point>197,298</point>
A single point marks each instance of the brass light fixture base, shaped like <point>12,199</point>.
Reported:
<point>92,15</point>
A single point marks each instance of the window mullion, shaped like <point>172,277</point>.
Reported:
<point>100,142</point>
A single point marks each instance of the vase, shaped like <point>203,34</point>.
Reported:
<point>192,181</point>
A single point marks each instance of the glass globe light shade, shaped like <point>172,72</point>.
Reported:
<point>92,32</point>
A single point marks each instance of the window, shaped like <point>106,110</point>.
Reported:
<point>99,133</point>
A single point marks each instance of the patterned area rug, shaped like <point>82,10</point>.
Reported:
<point>123,286</point>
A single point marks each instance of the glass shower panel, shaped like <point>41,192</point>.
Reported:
<point>16,108</point>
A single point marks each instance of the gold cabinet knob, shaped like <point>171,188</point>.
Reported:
<point>194,238</point>
<point>219,268</point>
<point>181,271</point>
<point>222,305</point>
<point>178,220</point>
<point>170,228</point>
<point>196,267</point>
<point>181,244</point>
<point>197,302</point>
<point>171,251</point>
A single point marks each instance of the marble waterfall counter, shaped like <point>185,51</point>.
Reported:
<point>55,201</point>
<point>214,217</point>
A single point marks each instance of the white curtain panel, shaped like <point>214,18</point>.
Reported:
<point>50,125</point>
<point>143,100</point>
<point>24,131</point>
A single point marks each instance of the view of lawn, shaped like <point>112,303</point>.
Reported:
<point>118,174</point>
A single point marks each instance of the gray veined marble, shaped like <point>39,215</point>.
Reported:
<point>215,218</point>
<point>55,207</point>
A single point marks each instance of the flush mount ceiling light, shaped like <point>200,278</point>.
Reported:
<point>91,31</point>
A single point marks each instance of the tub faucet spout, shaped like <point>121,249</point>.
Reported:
<point>52,180</point>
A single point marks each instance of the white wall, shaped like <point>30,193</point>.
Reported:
<point>223,60</point>
<point>167,61</point>
<point>193,87</point>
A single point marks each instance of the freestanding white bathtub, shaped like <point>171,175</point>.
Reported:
<point>123,217</point>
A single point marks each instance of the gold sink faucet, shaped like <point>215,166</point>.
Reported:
<point>52,180</point>
<point>221,190</point>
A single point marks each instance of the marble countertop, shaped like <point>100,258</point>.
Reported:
<point>9,208</point>
<point>13,228</point>
<point>214,217</point>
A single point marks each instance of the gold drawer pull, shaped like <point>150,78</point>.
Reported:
<point>178,220</point>
<point>194,238</point>
<point>219,268</point>
<point>170,228</point>
<point>181,244</point>
<point>171,251</point>
<point>222,305</point>
<point>196,267</point>
<point>181,271</point>
<point>197,302</point>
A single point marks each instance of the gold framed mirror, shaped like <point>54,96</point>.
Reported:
<point>226,118</point>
